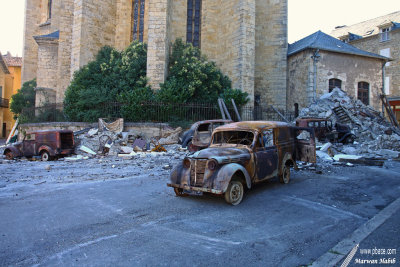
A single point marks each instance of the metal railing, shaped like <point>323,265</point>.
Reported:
<point>180,113</point>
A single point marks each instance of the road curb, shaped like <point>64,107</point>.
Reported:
<point>346,245</point>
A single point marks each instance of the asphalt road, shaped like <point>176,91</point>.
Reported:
<point>136,220</point>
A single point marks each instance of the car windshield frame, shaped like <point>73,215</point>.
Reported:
<point>219,144</point>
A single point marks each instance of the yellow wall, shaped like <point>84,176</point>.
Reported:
<point>12,84</point>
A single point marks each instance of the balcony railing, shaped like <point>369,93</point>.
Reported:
<point>4,103</point>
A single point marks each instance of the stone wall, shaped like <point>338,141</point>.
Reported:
<point>158,42</point>
<point>348,68</point>
<point>392,70</point>
<point>94,26</point>
<point>271,52</point>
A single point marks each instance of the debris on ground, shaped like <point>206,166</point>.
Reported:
<point>376,138</point>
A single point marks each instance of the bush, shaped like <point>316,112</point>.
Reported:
<point>113,76</point>
<point>24,98</point>
<point>194,79</point>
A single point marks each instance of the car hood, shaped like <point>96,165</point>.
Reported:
<point>223,154</point>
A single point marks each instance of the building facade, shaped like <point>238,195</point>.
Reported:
<point>381,36</point>
<point>10,83</point>
<point>246,38</point>
<point>319,62</point>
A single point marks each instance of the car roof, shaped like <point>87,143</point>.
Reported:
<point>311,119</point>
<point>252,125</point>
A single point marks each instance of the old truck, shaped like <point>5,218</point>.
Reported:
<point>49,145</point>
<point>199,134</point>
<point>242,154</point>
<point>326,131</point>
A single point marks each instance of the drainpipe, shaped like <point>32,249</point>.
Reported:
<point>315,59</point>
<point>383,85</point>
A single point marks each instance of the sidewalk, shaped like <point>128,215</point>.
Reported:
<point>375,239</point>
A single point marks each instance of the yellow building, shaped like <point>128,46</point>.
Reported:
<point>10,83</point>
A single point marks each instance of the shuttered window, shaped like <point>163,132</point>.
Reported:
<point>363,92</point>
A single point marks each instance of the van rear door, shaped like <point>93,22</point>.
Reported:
<point>305,144</point>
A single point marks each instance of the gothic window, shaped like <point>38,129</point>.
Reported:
<point>193,33</point>
<point>138,19</point>
<point>49,3</point>
<point>334,83</point>
<point>363,92</point>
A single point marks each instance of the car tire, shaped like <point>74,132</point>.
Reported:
<point>234,193</point>
<point>349,140</point>
<point>284,178</point>
<point>9,155</point>
<point>179,192</point>
<point>45,156</point>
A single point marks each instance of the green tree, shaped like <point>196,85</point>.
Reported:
<point>24,98</point>
<point>112,76</point>
<point>192,78</point>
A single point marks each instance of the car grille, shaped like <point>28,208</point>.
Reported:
<point>197,170</point>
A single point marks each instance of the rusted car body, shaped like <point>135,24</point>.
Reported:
<point>48,145</point>
<point>242,154</point>
<point>199,134</point>
<point>325,131</point>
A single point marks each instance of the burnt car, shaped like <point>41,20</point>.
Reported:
<point>48,145</point>
<point>326,131</point>
<point>199,134</point>
<point>242,154</point>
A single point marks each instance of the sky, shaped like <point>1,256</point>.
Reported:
<point>305,18</point>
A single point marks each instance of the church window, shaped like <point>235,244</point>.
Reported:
<point>363,92</point>
<point>138,19</point>
<point>49,4</point>
<point>334,83</point>
<point>193,34</point>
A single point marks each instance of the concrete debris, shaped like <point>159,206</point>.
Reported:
<point>375,136</point>
<point>87,150</point>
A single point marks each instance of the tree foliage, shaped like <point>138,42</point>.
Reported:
<point>192,78</point>
<point>112,76</point>
<point>24,98</point>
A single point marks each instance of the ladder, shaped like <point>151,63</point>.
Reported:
<point>342,114</point>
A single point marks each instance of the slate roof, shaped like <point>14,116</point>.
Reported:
<point>369,27</point>
<point>54,35</point>
<point>325,42</point>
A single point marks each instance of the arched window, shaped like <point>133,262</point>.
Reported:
<point>193,30</point>
<point>49,4</point>
<point>334,83</point>
<point>363,92</point>
<point>138,19</point>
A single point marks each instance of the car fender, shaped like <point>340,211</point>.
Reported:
<point>46,148</point>
<point>14,150</point>
<point>180,175</point>
<point>226,173</point>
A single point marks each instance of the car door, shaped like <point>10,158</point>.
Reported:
<point>29,145</point>
<point>202,135</point>
<point>266,156</point>
<point>305,144</point>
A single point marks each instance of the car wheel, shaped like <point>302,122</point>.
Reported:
<point>9,155</point>
<point>179,192</point>
<point>349,140</point>
<point>234,193</point>
<point>45,156</point>
<point>284,178</point>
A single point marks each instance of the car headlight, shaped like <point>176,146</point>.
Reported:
<point>212,164</point>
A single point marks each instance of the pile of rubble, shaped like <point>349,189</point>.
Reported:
<point>376,137</point>
<point>111,140</point>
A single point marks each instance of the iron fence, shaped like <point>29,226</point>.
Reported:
<point>178,113</point>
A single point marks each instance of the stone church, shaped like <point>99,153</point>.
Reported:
<point>246,38</point>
